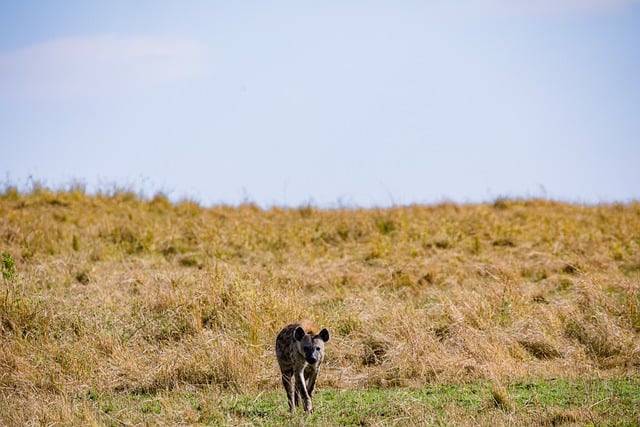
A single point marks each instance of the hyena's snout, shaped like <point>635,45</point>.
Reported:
<point>313,357</point>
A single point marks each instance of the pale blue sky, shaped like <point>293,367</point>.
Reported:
<point>336,103</point>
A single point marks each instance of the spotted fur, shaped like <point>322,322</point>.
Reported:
<point>300,352</point>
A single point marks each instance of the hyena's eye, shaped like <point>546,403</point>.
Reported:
<point>317,348</point>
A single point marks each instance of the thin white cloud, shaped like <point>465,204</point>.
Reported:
<point>84,67</point>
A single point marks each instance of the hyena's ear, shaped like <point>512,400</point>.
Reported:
<point>324,334</point>
<point>298,334</point>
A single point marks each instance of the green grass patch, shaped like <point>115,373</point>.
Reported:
<point>611,401</point>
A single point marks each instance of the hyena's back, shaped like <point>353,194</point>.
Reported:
<point>309,326</point>
<point>285,343</point>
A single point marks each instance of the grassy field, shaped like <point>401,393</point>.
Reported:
<point>116,310</point>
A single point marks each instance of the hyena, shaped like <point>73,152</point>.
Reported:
<point>300,351</point>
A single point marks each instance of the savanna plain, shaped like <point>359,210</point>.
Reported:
<point>121,310</point>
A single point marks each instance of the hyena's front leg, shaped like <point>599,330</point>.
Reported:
<point>287,382</point>
<point>301,386</point>
<point>297,395</point>
<point>312,382</point>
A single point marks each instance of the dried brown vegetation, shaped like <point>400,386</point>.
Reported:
<point>114,294</point>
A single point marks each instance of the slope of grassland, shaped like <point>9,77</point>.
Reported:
<point>122,311</point>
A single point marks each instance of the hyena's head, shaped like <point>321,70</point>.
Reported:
<point>310,346</point>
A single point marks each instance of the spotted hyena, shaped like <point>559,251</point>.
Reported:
<point>300,351</point>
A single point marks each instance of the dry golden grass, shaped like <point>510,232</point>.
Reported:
<point>121,296</point>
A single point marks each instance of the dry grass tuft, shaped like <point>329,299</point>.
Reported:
<point>564,418</point>
<point>500,398</point>
<point>540,348</point>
